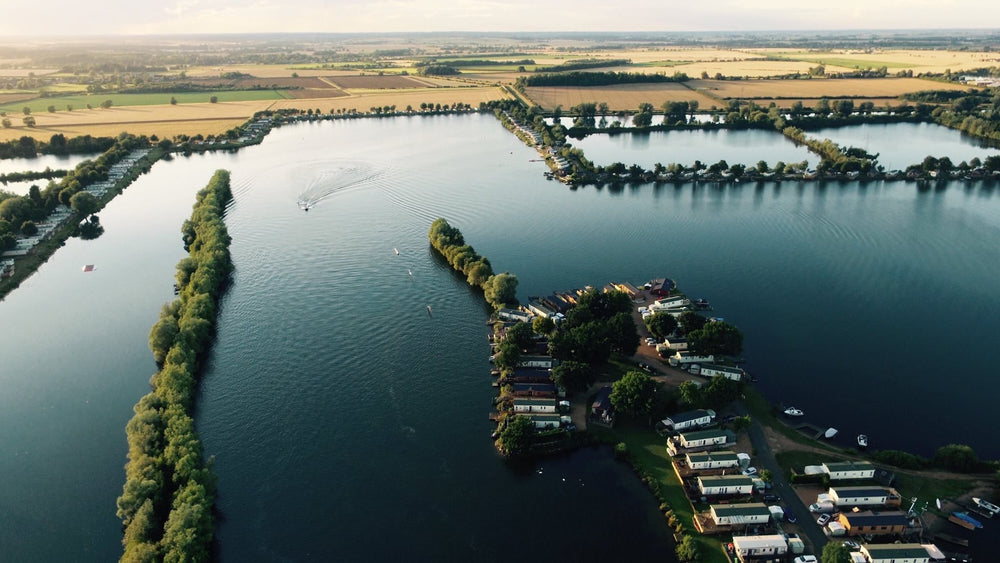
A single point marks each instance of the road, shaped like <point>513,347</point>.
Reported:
<point>765,460</point>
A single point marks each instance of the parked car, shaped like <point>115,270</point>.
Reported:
<point>750,471</point>
<point>771,497</point>
<point>805,559</point>
<point>852,545</point>
<point>823,519</point>
<point>791,518</point>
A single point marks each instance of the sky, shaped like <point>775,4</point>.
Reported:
<point>133,17</point>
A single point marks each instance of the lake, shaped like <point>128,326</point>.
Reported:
<point>346,422</point>
<point>902,144</point>
<point>745,147</point>
<point>43,161</point>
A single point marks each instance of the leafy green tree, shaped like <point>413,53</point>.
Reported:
<point>29,121</point>
<point>687,549</point>
<point>52,109</point>
<point>741,423</point>
<point>766,475</point>
<point>6,123</point>
<point>661,325</point>
<point>215,100</point>
<point>515,436</point>
<point>691,321</point>
<point>543,325</point>
<point>720,391</point>
<point>520,334</point>
<point>26,110</point>
<point>83,203</point>
<point>633,395</point>
<point>956,457</point>
<point>572,376</point>
<point>507,356</point>
<point>691,394</point>
<point>501,289</point>
<point>716,338</point>
<point>29,229</point>
<point>622,334</point>
<point>173,101</point>
<point>835,552</point>
<point>106,104</point>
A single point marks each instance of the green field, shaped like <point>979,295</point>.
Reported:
<point>40,105</point>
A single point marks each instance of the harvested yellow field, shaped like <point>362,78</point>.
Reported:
<point>918,60</point>
<point>618,97</point>
<point>159,119</point>
<point>398,98</point>
<point>752,68</point>
<point>819,87</point>
<point>25,72</point>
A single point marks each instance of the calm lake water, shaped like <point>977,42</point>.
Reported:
<point>684,147</point>
<point>902,144</point>
<point>346,422</point>
<point>43,161</point>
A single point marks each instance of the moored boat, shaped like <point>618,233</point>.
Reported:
<point>986,505</point>
<point>830,433</point>
<point>956,520</point>
<point>792,411</point>
<point>862,441</point>
<point>965,516</point>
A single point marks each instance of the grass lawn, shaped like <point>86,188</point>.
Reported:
<point>650,452</point>
<point>40,105</point>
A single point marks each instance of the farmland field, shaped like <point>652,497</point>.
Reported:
<point>918,60</point>
<point>201,118</point>
<point>39,105</point>
<point>618,97</point>
<point>375,82</point>
<point>819,87</point>
<point>399,98</point>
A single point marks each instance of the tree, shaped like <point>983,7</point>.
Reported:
<point>719,392</point>
<point>633,394</point>
<point>543,325</point>
<point>687,549</point>
<point>29,121</point>
<point>173,101</point>
<point>690,321</point>
<point>691,394</point>
<point>28,228</point>
<point>501,289</point>
<point>52,109</point>
<point>520,334</point>
<point>83,203</point>
<point>716,338</point>
<point>835,552</point>
<point>26,110</point>
<point>573,376</point>
<point>515,436</point>
<point>507,356</point>
<point>956,457</point>
<point>6,123</point>
<point>106,104</point>
<point>215,100</point>
<point>661,324</point>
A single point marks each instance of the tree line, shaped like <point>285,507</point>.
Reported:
<point>46,174</point>
<point>166,501</point>
<point>20,214</point>
<point>500,290</point>
<point>28,147</point>
<point>581,64</point>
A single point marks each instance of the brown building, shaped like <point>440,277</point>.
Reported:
<point>874,523</point>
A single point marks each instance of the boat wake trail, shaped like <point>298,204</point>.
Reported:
<point>337,178</point>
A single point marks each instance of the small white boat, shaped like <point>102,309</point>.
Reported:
<point>429,312</point>
<point>830,433</point>
<point>792,411</point>
<point>986,505</point>
<point>396,251</point>
<point>862,441</point>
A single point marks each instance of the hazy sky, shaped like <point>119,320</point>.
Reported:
<point>63,17</point>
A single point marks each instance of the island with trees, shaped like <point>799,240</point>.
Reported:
<point>167,499</point>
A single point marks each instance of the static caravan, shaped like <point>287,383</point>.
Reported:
<point>740,514</point>
<point>845,470</point>
<point>715,370</point>
<point>895,553</point>
<point>725,485</point>
<point>712,460</point>
<point>685,358</point>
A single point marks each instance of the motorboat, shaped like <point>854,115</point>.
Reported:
<point>792,411</point>
<point>830,433</point>
<point>986,505</point>
<point>862,441</point>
